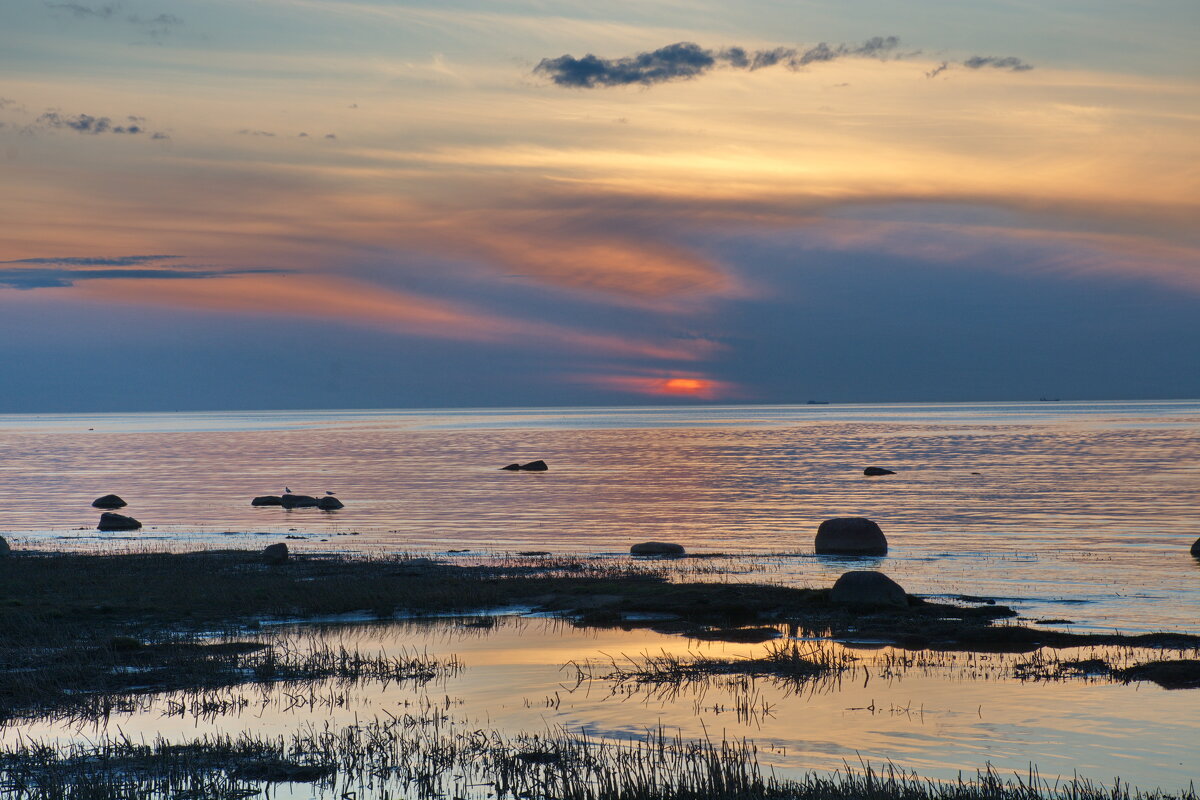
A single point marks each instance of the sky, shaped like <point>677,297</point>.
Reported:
<point>221,204</point>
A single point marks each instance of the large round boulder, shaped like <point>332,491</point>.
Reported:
<point>267,500</point>
<point>656,549</point>
<point>109,501</point>
<point>867,588</point>
<point>297,501</point>
<point>850,536</point>
<point>330,504</point>
<point>275,554</point>
<point>1196,548</point>
<point>117,522</point>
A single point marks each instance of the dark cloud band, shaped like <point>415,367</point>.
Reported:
<point>684,60</point>
<point>52,273</point>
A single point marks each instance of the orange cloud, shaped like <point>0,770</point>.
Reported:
<point>357,303</point>
<point>674,385</point>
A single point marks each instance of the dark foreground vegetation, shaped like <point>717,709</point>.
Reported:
<point>80,632</point>
<point>78,626</point>
<point>426,757</point>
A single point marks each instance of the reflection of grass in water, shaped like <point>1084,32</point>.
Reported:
<point>428,756</point>
<point>91,684</point>
<point>790,663</point>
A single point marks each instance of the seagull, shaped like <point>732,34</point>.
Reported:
<point>287,490</point>
<point>329,492</point>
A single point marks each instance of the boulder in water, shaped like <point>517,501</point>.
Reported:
<point>877,471</point>
<point>5,550</point>
<point>267,500</point>
<point>850,536</point>
<point>275,554</point>
<point>867,588</point>
<point>117,522</point>
<point>330,504</point>
<point>109,501</point>
<point>1196,548</point>
<point>297,501</point>
<point>656,549</point>
<point>532,466</point>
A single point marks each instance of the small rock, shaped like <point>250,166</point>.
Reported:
<point>267,500</point>
<point>297,501</point>
<point>330,504</point>
<point>877,471</point>
<point>532,466</point>
<point>867,588</point>
<point>109,501</point>
<point>656,549</point>
<point>117,522</point>
<point>1196,548</point>
<point>850,536</point>
<point>5,550</point>
<point>275,554</point>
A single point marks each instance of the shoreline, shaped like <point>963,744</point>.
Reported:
<point>83,631</point>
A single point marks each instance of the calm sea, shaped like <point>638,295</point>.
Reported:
<point>1073,511</point>
<point>1076,510</point>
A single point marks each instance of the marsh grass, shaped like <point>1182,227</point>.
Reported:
<point>428,756</point>
<point>87,684</point>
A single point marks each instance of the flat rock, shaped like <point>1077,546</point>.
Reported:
<point>850,536</point>
<point>275,554</point>
<point>868,588</point>
<point>532,466</point>
<point>656,549</point>
<point>109,501</point>
<point>330,504</point>
<point>877,471</point>
<point>117,522</point>
<point>267,500</point>
<point>297,501</point>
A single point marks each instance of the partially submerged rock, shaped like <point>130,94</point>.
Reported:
<point>656,549</point>
<point>267,500</point>
<point>330,504</point>
<point>275,554</point>
<point>850,536</point>
<point>297,501</point>
<point>109,501</point>
<point>532,466</point>
<point>868,588</point>
<point>5,550</point>
<point>877,471</point>
<point>117,522</point>
<point>1196,548</point>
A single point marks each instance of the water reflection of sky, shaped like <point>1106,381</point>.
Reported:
<point>1050,502</point>
<point>961,713</point>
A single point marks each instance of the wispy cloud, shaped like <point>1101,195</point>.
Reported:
<point>58,272</point>
<point>155,26</point>
<point>86,123</point>
<point>1011,63</point>
<point>685,60</point>
<point>83,12</point>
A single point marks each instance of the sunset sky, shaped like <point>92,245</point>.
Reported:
<point>314,203</point>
